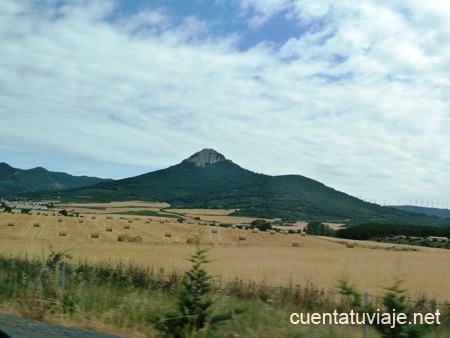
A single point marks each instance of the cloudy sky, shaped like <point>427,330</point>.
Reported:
<point>354,94</point>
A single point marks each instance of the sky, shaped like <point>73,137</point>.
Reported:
<point>354,94</point>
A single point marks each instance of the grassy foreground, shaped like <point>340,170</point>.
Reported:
<point>129,301</point>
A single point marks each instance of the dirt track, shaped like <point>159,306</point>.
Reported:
<point>17,327</point>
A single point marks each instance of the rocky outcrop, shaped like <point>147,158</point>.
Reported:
<point>206,156</point>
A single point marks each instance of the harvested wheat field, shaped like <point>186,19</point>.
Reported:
<point>262,258</point>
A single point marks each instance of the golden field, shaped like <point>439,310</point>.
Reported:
<point>262,258</point>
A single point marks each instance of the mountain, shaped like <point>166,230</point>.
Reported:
<point>13,180</point>
<point>208,180</point>
<point>424,210</point>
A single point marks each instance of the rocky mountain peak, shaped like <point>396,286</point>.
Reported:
<point>206,156</point>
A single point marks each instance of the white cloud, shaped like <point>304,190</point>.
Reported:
<point>358,101</point>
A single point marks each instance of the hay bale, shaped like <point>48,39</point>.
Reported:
<point>255,231</point>
<point>296,244</point>
<point>233,226</point>
<point>93,217</point>
<point>123,238</point>
<point>81,221</point>
<point>161,221</point>
<point>149,219</point>
<point>137,219</point>
<point>62,233</point>
<point>286,232</point>
<point>36,224</point>
<point>192,240</point>
<point>11,224</point>
<point>303,234</point>
<point>136,239</point>
<point>272,232</point>
<point>60,220</point>
<point>130,221</point>
<point>147,222</point>
<point>109,228</point>
<point>126,226</point>
<point>168,234</point>
<point>95,234</point>
<point>242,237</point>
<point>109,217</point>
<point>350,245</point>
<point>214,230</point>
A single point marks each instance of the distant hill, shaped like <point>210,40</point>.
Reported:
<point>208,180</point>
<point>13,180</point>
<point>422,210</point>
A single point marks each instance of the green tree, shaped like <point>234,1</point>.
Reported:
<point>261,224</point>
<point>319,229</point>
<point>394,301</point>
<point>194,316</point>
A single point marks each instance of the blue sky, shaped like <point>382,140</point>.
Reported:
<point>352,94</point>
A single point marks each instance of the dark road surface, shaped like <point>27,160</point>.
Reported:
<point>17,327</point>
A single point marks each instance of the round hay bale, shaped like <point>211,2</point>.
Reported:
<point>95,234</point>
<point>36,224</point>
<point>130,221</point>
<point>109,217</point>
<point>109,228</point>
<point>192,240</point>
<point>127,226</point>
<point>295,244</point>
<point>161,221</point>
<point>93,217</point>
<point>254,230</point>
<point>272,232</point>
<point>137,219</point>
<point>286,232</point>
<point>136,239</point>
<point>147,222</point>
<point>149,219</point>
<point>62,233</point>
<point>11,224</point>
<point>60,220</point>
<point>242,237</point>
<point>214,230</point>
<point>123,238</point>
<point>303,234</point>
<point>81,221</point>
<point>233,226</point>
<point>168,234</point>
<point>350,245</point>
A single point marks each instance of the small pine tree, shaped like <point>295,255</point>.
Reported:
<point>194,316</point>
<point>394,300</point>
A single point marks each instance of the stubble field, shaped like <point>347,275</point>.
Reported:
<point>262,258</point>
